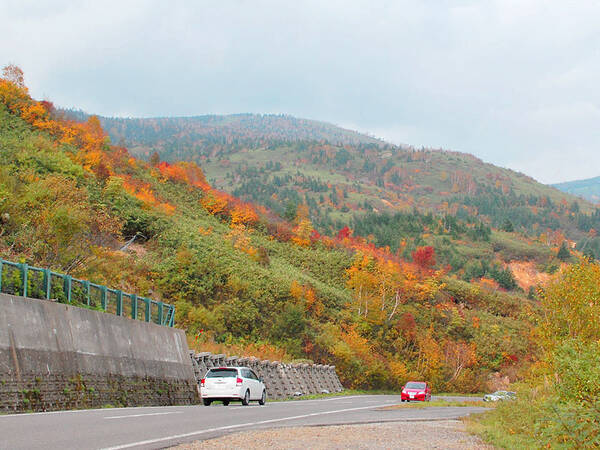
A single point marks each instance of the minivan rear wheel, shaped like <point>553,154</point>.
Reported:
<point>263,399</point>
<point>206,401</point>
<point>246,399</point>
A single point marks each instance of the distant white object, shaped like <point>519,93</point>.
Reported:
<point>228,384</point>
<point>324,391</point>
<point>297,394</point>
<point>500,396</point>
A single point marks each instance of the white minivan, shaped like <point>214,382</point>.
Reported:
<point>232,384</point>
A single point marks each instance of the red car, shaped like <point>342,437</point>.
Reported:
<point>416,390</point>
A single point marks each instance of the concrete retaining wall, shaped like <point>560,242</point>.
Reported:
<point>54,356</point>
<point>281,380</point>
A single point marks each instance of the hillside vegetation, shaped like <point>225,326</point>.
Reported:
<point>558,403</point>
<point>588,189</point>
<point>480,219</point>
<point>241,277</point>
<point>214,134</point>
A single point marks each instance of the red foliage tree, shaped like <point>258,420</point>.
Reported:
<point>408,325</point>
<point>344,233</point>
<point>424,257</point>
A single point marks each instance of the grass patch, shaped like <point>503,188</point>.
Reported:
<point>344,393</point>
<point>458,394</point>
<point>493,428</point>
<point>436,403</point>
<point>350,392</point>
<point>539,420</point>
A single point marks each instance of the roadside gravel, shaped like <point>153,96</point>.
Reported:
<point>446,434</point>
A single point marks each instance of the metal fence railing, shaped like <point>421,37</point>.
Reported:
<point>29,281</point>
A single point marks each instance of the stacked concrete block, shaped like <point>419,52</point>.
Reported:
<point>201,364</point>
<point>329,384</point>
<point>286,383</point>
<point>196,367</point>
<point>334,380</point>
<point>296,381</point>
<point>243,362</point>
<point>254,364</point>
<point>327,371</point>
<point>281,380</point>
<point>326,385</point>
<point>231,361</point>
<point>218,360</point>
<point>309,381</point>
<point>272,374</point>
<point>319,379</point>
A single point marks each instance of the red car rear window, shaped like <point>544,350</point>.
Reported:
<point>415,385</point>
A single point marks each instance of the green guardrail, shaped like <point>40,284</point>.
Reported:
<point>34,282</point>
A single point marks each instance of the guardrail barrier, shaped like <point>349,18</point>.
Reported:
<point>34,282</point>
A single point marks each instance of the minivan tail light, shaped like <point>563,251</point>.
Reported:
<point>202,382</point>
<point>238,381</point>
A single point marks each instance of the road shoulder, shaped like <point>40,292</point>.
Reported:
<point>447,434</point>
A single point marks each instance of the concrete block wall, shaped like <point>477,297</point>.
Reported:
<point>55,356</point>
<point>282,380</point>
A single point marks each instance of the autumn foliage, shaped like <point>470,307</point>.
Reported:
<point>424,257</point>
<point>243,278</point>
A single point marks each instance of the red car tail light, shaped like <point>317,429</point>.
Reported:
<point>202,382</point>
<point>238,381</point>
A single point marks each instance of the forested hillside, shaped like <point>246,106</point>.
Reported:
<point>588,189</point>
<point>185,138</point>
<point>340,182</point>
<point>242,278</point>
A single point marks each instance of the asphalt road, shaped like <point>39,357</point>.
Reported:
<point>160,427</point>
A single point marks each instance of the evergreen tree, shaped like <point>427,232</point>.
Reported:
<point>589,253</point>
<point>154,159</point>
<point>563,252</point>
<point>290,210</point>
<point>508,226</point>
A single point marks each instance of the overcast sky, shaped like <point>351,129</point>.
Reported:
<point>516,83</point>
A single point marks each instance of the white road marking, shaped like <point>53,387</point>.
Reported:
<point>79,411</point>
<point>132,408</point>
<point>143,415</point>
<point>240,425</point>
<point>331,399</point>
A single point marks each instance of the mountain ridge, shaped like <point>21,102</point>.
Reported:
<point>241,126</point>
<point>587,188</point>
<point>341,183</point>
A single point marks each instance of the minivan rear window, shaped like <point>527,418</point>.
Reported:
<point>222,373</point>
<point>415,385</point>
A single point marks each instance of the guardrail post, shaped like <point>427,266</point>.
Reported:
<point>134,308</point>
<point>103,296</point>
<point>86,285</point>
<point>1,264</point>
<point>160,313</point>
<point>172,320</point>
<point>47,283</point>
<point>147,309</point>
<point>67,287</point>
<point>24,270</point>
<point>119,303</point>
